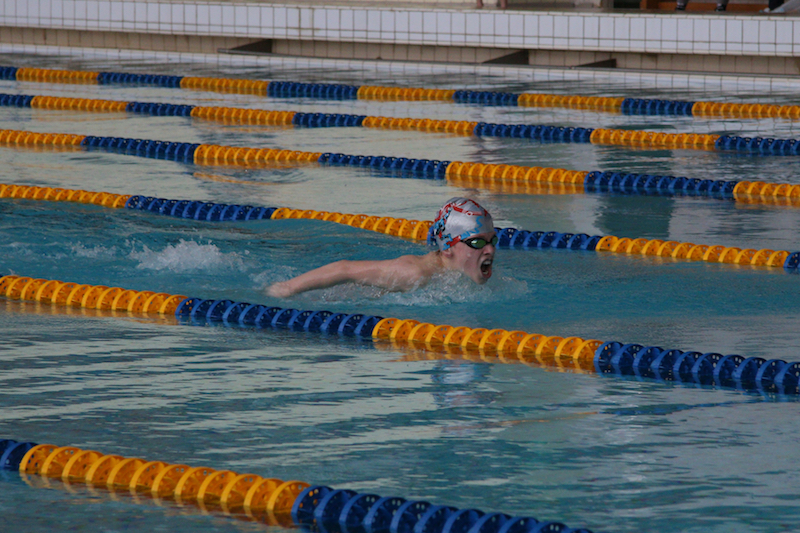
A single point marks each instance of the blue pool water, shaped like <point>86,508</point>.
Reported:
<point>606,453</point>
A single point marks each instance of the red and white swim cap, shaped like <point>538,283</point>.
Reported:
<point>459,219</point>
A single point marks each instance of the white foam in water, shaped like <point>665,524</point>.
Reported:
<point>94,252</point>
<point>188,256</point>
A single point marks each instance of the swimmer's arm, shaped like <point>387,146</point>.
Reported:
<point>394,274</point>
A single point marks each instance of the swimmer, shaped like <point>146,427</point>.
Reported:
<point>464,233</point>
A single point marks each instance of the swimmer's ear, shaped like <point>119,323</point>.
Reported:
<point>447,253</point>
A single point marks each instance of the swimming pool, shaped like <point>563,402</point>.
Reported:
<point>605,453</point>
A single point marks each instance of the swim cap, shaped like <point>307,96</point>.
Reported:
<point>459,219</point>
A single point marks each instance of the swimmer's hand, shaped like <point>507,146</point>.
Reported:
<point>282,289</point>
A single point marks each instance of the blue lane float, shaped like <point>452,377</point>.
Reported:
<point>172,151</point>
<point>627,183</point>
<point>540,132</point>
<point>122,78</point>
<point>730,371</point>
<point>645,106</point>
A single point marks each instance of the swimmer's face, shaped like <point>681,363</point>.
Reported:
<point>477,264</point>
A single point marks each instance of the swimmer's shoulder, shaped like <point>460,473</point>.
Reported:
<point>423,265</point>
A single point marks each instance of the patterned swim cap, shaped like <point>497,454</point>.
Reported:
<point>459,219</point>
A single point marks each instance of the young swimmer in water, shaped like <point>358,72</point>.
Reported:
<point>464,233</point>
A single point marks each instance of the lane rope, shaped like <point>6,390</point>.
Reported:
<point>588,355</point>
<point>290,89</point>
<point>277,502</point>
<point>418,230</point>
<point>553,179</point>
<point>542,133</point>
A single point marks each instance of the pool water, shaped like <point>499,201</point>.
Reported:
<point>605,453</point>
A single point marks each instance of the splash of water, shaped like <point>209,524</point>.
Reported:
<point>188,256</point>
<point>93,252</point>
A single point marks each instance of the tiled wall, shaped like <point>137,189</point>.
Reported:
<point>162,61</point>
<point>640,32</point>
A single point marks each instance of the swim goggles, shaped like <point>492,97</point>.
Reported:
<point>477,243</point>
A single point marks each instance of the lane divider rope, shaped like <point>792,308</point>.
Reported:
<point>414,229</point>
<point>499,345</point>
<point>480,174</point>
<point>542,133</point>
<point>289,89</point>
<point>279,503</point>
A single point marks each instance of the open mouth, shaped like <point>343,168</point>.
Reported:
<point>486,268</point>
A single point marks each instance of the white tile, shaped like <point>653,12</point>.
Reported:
<point>796,32</point>
<point>560,27</point>
<point>750,47</point>
<point>606,27</point>
<point>46,10</point>
<point>783,31</point>
<point>733,31</point>
<point>203,13</point>
<point>9,10</point>
<point>254,16</point>
<point>458,24</point>
<point>359,20</point>
<point>319,19</point>
<point>783,49</point>
<point>61,11</point>
<point>750,31</point>
<point>766,31</point>
<point>415,22</point>
<point>229,19</point>
<point>591,27</point>
<point>516,26</point>
<point>653,30</point>
<point>292,18</point>
<point>487,26</point>
<point>685,31</point>
<point>443,23</point>
<point>181,13</point>
<point>531,27</point>
<point>374,21</point>
<point>346,19</point>
<point>576,29</point>
<point>717,46</point>
<point>91,10</point>
<point>215,16</point>
<point>622,28</point>
<point>388,22</point>
<point>717,30</point>
<point>638,29</point>
<point>429,24</point>
<point>307,19</point>
<point>546,26</point>
<point>80,10</point>
<point>164,13</point>
<point>734,47</point>
<point>702,28</point>
<point>33,10</point>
